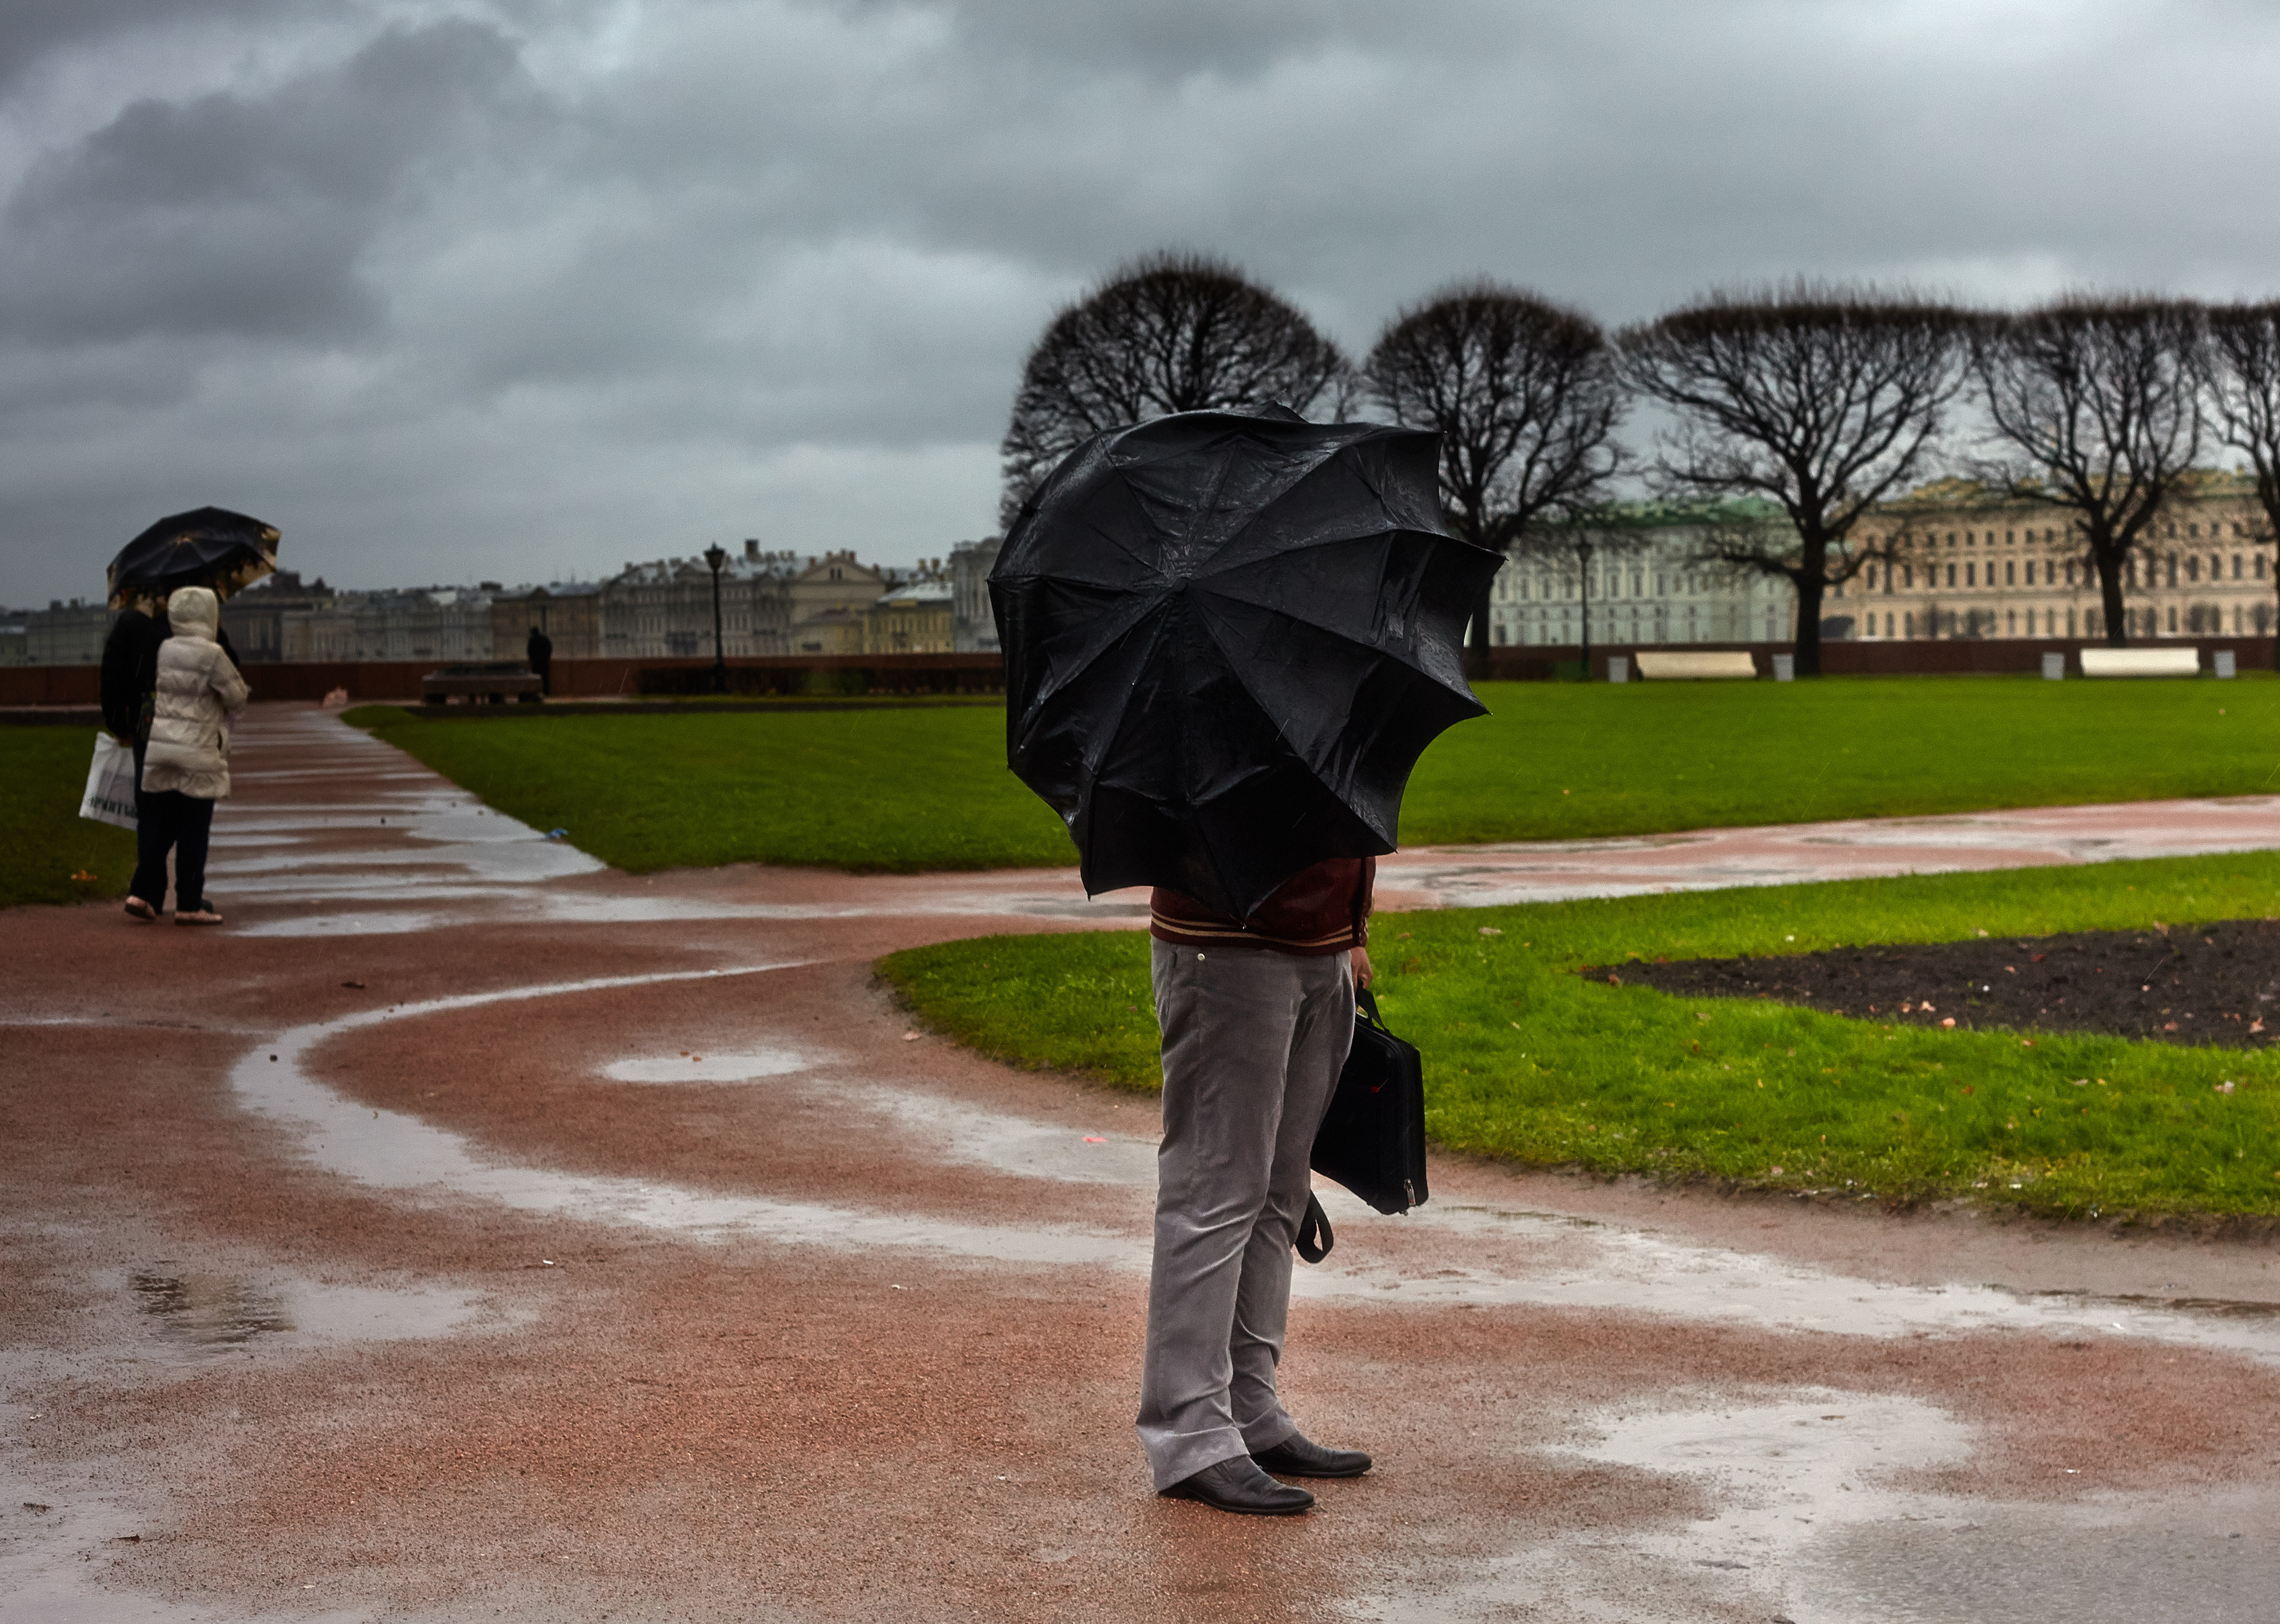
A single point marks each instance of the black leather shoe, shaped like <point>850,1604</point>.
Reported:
<point>1237,1485</point>
<point>1294,1457</point>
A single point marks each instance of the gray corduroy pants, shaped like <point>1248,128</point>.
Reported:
<point>1253,1042</point>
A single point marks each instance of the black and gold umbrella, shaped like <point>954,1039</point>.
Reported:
<point>1228,637</point>
<point>206,547</point>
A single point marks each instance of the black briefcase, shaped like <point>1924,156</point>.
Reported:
<point>1373,1137</point>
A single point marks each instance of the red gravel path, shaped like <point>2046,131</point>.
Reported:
<point>486,1409</point>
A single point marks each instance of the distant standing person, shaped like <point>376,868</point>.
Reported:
<point>185,760</point>
<point>540,652</point>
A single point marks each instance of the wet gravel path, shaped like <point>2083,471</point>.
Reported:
<point>470,1233</point>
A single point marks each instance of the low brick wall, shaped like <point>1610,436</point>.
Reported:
<point>1897,659</point>
<point>985,673</point>
<point>574,678</point>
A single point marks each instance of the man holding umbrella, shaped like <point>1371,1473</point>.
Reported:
<point>1228,637</point>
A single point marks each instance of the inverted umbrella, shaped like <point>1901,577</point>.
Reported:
<point>1227,639</point>
<point>206,547</point>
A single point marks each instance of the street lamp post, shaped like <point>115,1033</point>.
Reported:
<point>716,556</point>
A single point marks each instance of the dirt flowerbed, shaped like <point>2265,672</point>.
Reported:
<point>2206,984</point>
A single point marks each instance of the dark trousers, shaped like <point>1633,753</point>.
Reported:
<point>167,819</point>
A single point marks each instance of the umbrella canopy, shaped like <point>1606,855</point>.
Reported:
<point>206,547</point>
<point>1227,639</point>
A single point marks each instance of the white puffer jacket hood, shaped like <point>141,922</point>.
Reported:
<point>194,612</point>
<point>199,690</point>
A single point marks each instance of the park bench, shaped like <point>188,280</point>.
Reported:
<point>494,681</point>
<point>1677,666</point>
<point>2141,662</point>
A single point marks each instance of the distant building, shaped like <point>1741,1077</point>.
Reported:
<point>568,611</point>
<point>663,610</point>
<point>14,644</point>
<point>917,616</point>
<point>831,596</point>
<point>439,623</point>
<point>256,618</point>
<point>65,634</point>
<point>1642,585</point>
<point>1969,563</point>
<point>973,620</point>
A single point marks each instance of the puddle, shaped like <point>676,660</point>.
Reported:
<point>946,1130</point>
<point>197,1313</point>
<point>1579,1265</point>
<point>1587,1265</point>
<point>1785,1472</point>
<point>747,1067</point>
<point>1808,1526</point>
<point>390,1149</point>
<point>207,1311</point>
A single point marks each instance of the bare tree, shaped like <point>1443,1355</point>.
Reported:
<point>1524,396</point>
<point>2098,403</point>
<point>1822,401</point>
<point>1168,333</point>
<point>2244,394</point>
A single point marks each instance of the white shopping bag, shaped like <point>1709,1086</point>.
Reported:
<point>110,797</point>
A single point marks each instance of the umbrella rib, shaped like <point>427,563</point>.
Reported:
<point>1379,650</point>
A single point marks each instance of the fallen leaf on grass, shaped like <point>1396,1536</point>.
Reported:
<point>1094,1139</point>
<point>910,1037</point>
<point>83,876</point>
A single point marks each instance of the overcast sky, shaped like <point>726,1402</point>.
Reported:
<point>520,289</point>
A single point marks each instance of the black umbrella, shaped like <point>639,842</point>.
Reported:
<point>206,547</point>
<point>1227,639</point>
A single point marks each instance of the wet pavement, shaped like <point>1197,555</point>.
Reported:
<point>467,1231</point>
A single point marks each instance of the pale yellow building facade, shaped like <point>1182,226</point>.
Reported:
<point>1967,563</point>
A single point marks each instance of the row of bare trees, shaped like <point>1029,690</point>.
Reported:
<point>1821,401</point>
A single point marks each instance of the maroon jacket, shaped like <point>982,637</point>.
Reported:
<point>1317,910</point>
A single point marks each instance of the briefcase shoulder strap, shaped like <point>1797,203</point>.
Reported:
<point>1315,1239</point>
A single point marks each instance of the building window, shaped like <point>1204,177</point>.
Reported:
<point>2173,569</point>
<point>2236,567</point>
<point>1951,574</point>
<point>1970,574</point>
<point>2173,619</point>
<point>2010,573</point>
<point>1908,574</point>
<point>2193,567</point>
<point>1909,622</point>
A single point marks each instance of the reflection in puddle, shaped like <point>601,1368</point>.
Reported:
<point>208,1310</point>
<point>199,1314</point>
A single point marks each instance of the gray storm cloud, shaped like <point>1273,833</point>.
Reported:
<point>504,288</point>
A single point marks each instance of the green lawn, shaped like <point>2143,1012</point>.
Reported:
<point>42,774</point>
<point>928,789</point>
<point>1527,1060</point>
<point>1557,760</point>
<point>898,790</point>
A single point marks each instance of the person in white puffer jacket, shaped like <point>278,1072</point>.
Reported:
<point>186,765</point>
